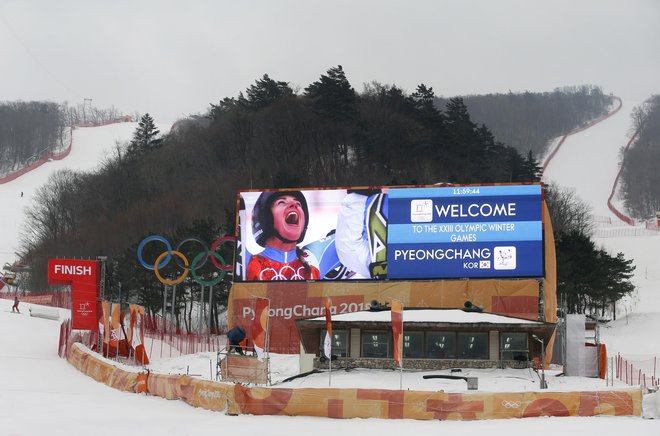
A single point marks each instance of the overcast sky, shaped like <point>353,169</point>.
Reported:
<point>173,58</point>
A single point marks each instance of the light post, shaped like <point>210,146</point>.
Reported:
<point>101,259</point>
<point>543,383</point>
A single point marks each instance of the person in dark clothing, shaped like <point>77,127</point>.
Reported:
<point>235,336</point>
<point>15,306</point>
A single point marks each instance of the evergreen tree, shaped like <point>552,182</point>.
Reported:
<point>264,92</point>
<point>616,272</point>
<point>145,137</point>
<point>589,278</point>
<point>532,171</point>
<point>458,115</point>
<point>423,102</point>
<point>332,95</point>
<point>225,105</point>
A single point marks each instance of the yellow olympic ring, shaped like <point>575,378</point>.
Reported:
<point>181,277</point>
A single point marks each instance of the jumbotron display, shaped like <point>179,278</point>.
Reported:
<point>433,232</point>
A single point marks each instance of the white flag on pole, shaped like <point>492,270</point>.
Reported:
<point>327,345</point>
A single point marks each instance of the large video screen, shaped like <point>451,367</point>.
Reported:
<point>434,232</point>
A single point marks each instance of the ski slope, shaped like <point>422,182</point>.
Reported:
<point>90,146</point>
<point>588,163</point>
<point>42,394</point>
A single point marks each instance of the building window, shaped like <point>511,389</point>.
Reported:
<point>376,344</point>
<point>473,346</point>
<point>441,345</point>
<point>413,345</point>
<point>339,342</point>
<point>514,346</point>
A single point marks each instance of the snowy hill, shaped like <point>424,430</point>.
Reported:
<point>588,163</point>
<point>90,146</point>
<point>35,383</point>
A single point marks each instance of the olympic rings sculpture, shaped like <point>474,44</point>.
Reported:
<point>182,261</point>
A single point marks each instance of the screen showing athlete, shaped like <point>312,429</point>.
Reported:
<point>279,224</point>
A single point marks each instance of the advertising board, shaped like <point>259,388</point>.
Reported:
<point>394,233</point>
<point>465,232</point>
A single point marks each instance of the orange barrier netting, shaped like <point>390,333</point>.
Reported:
<point>156,327</point>
<point>359,403</point>
<point>637,372</point>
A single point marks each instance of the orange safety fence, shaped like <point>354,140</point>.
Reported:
<point>156,327</point>
<point>359,403</point>
<point>389,404</point>
<point>637,372</point>
<point>101,370</point>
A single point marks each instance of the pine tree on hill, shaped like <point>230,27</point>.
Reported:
<point>532,171</point>
<point>423,100</point>
<point>145,137</point>
<point>332,95</point>
<point>458,116</point>
<point>264,92</point>
<point>225,105</point>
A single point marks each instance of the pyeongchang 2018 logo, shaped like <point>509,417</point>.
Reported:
<point>85,309</point>
<point>505,258</point>
<point>421,211</point>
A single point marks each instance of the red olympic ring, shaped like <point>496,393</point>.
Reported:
<point>217,242</point>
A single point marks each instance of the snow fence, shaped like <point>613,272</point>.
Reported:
<point>357,403</point>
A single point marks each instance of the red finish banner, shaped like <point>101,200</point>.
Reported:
<point>84,278</point>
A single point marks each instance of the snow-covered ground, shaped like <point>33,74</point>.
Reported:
<point>42,394</point>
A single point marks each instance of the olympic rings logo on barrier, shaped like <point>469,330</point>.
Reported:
<point>182,261</point>
<point>511,404</point>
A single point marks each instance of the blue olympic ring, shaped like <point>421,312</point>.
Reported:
<point>148,239</point>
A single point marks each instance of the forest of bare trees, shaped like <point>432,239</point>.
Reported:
<point>527,121</point>
<point>640,176</point>
<point>31,130</point>
<point>28,130</point>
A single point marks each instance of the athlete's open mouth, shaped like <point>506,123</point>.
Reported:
<point>292,218</point>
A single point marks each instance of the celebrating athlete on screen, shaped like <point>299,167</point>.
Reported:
<point>279,223</point>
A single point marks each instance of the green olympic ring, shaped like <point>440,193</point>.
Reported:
<point>214,281</point>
